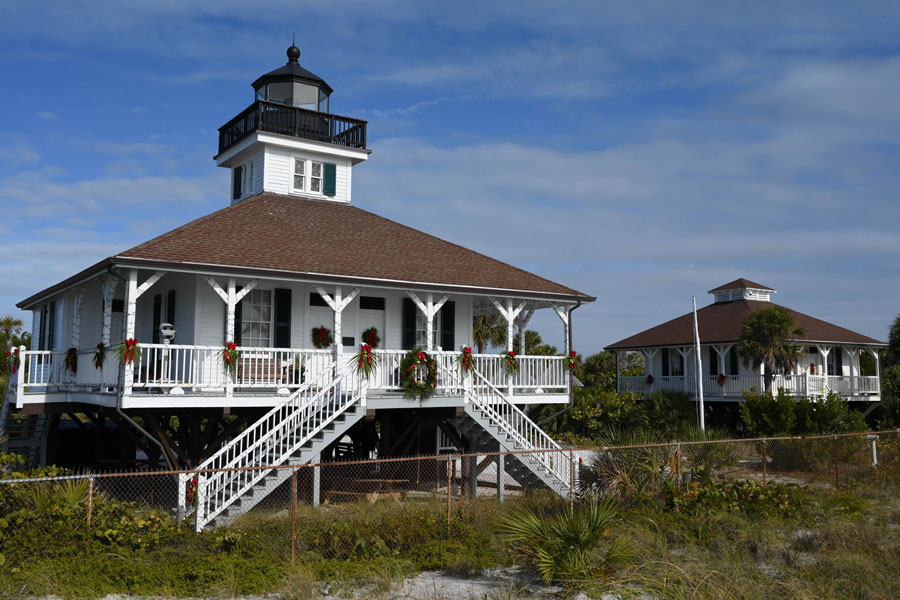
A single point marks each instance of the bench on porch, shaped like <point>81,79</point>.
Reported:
<point>261,371</point>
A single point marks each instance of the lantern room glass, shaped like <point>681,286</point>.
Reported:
<point>294,93</point>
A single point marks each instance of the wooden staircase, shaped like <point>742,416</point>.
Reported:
<point>293,433</point>
<point>492,420</point>
<point>22,434</point>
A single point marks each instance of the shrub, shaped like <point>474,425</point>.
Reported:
<point>571,548</point>
<point>748,497</point>
<point>669,412</point>
<point>765,415</point>
<point>639,472</point>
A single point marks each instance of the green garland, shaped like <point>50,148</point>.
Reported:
<point>364,361</point>
<point>418,374</point>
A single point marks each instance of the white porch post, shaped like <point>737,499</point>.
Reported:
<point>109,290</point>
<point>877,371</point>
<point>429,310</point>
<point>509,313</point>
<point>563,315</point>
<point>337,303</point>
<point>76,317</point>
<point>522,323</point>
<point>131,296</point>
<point>230,302</point>
<point>854,369</point>
<point>824,351</point>
<point>649,355</point>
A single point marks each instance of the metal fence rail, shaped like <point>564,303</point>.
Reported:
<point>437,484</point>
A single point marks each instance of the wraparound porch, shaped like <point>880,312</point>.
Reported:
<point>856,387</point>
<point>184,376</point>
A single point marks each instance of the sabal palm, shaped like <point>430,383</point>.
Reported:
<point>488,330</point>
<point>766,340</point>
<point>11,327</point>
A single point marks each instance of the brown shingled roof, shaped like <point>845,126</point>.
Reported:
<point>741,283</point>
<point>721,323</point>
<point>297,235</point>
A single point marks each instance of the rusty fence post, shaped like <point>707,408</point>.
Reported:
<point>90,508</point>
<point>449,483</point>
<point>293,513</point>
<point>834,459</point>
<point>571,480</point>
<point>677,467</point>
<point>898,446</point>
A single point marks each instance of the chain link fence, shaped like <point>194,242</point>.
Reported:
<point>315,508</point>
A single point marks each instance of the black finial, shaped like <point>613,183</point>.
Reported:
<point>293,53</point>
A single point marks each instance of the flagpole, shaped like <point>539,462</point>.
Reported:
<point>699,366</point>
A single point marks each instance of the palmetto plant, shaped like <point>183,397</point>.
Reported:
<point>568,548</point>
<point>765,340</point>
<point>636,470</point>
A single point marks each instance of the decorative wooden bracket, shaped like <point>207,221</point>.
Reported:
<point>238,296</point>
<point>149,283</point>
<point>334,305</point>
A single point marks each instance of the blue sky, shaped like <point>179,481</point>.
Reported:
<point>641,152</point>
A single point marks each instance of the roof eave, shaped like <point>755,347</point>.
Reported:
<point>203,268</point>
<point>81,277</point>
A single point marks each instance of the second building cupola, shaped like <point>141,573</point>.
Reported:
<point>288,141</point>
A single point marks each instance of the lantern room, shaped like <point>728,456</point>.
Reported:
<point>292,85</point>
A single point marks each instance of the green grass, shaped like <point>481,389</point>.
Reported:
<point>704,541</point>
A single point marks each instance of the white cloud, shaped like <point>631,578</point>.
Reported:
<point>46,115</point>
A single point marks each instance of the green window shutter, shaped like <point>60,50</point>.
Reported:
<point>448,325</point>
<point>236,183</point>
<point>157,316</point>
<point>238,318</point>
<point>329,179</point>
<point>170,308</point>
<point>282,307</point>
<point>733,361</point>
<point>665,362</point>
<point>713,362</point>
<point>409,324</point>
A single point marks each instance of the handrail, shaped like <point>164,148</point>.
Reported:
<point>304,414</point>
<point>517,425</point>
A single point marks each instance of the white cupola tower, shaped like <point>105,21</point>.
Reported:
<point>742,289</point>
<point>287,141</point>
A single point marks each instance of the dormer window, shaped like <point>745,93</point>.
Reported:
<point>314,177</point>
<point>242,184</point>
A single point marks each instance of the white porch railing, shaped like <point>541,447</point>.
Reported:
<point>735,385</point>
<point>523,431</point>
<point>201,368</point>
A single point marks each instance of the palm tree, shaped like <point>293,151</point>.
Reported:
<point>765,340</point>
<point>11,326</point>
<point>488,330</point>
<point>892,352</point>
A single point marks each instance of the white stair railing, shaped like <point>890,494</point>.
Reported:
<point>524,432</point>
<point>269,441</point>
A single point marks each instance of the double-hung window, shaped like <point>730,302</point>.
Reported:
<point>314,177</point>
<point>256,319</point>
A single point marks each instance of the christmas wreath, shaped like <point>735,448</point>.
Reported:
<point>370,337</point>
<point>572,361</point>
<point>128,352</point>
<point>649,379</point>
<point>71,362</point>
<point>192,492</point>
<point>512,363</point>
<point>11,362</point>
<point>364,361</point>
<point>466,363</point>
<point>721,379</point>
<point>99,356</point>
<point>321,337</point>
<point>230,357</point>
<point>418,374</point>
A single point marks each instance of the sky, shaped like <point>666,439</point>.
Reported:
<point>640,152</point>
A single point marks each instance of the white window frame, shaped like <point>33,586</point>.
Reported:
<point>246,314</point>
<point>307,175</point>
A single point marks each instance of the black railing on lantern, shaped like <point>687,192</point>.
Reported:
<point>298,122</point>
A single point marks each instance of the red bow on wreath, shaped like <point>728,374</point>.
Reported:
<point>572,356</point>
<point>130,346</point>
<point>12,361</point>
<point>192,490</point>
<point>365,354</point>
<point>71,362</point>
<point>99,356</point>
<point>465,359</point>
<point>230,354</point>
<point>511,363</point>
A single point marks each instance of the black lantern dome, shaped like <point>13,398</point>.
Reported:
<point>292,85</point>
